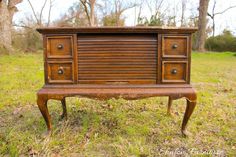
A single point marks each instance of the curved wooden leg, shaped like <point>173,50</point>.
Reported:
<point>188,112</point>
<point>169,105</point>
<point>64,111</point>
<point>42,104</point>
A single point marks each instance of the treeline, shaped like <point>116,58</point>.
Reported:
<point>21,35</point>
<point>223,42</point>
<point>104,13</point>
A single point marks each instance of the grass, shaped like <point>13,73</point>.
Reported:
<point>118,127</point>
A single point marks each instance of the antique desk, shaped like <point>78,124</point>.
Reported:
<point>112,62</point>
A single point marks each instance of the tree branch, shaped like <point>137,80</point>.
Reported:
<point>49,11</point>
<point>32,8</point>
<point>213,8</point>
<point>23,26</point>
<point>86,10</point>
<point>208,14</point>
<point>128,7</point>
<point>160,4</point>
<point>234,6</point>
<point>41,12</point>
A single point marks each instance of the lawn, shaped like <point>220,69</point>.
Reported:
<point>118,127</point>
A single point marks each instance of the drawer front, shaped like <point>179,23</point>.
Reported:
<point>175,46</point>
<point>60,72</point>
<point>59,47</point>
<point>174,71</point>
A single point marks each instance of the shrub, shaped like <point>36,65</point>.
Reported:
<point>27,40</point>
<point>224,42</point>
<point>3,50</point>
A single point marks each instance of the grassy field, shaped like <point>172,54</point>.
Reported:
<point>118,127</point>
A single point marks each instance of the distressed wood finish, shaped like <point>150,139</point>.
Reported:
<point>175,46</point>
<point>174,71</point>
<point>59,47</point>
<point>113,62</point>
<point>60,72</point>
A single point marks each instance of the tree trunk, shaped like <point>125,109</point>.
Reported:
<point>7,10</point>
<point>213,26</point>
<point>202,22</point>
<point>5,27</point>
<point>92,13</point>
<point>183,9</point>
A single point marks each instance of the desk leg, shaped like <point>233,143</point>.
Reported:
<point>42,104</point>
<point>169,105</point>
<point>188,112</point>
<point>64,111</point>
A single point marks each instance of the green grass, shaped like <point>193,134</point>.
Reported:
<point>118,127</point>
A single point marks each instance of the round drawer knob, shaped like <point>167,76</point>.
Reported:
<point>175,46</point>
<point>60,46</point>
<point>60,71</point>
<point>173,71</point>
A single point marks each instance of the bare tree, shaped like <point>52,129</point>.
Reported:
<point>113,10</point>
<point>39,16</point>
<point>49,11</point>
<point>120,8</point>
<point>157,16</point>
<point>213,14</point>
<point>89,8</point>
<point>7,10</point>
<point>74,17</point>
<point>201,35</point>
<point>183,9</point>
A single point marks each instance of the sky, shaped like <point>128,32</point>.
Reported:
<point>226,20</point>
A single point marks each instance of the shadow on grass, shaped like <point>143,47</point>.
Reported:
<point>82,121</point>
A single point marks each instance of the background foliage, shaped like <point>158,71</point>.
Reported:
<point>223,42</point>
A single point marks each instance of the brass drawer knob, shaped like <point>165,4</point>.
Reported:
<point>60,46</point>
<point>173,71</point>
<point>175,46</point>
<point>60,71</point>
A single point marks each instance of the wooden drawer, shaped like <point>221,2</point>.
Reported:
<point>174,71</point>
<point>60,72</point>
<point>59,47</point>
<point>175,46</point>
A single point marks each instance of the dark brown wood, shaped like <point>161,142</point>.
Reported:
<point>42,104</point>
<point>75,59</point>
<point>114,62</point>
<point>159,59</point>
<point>170,100</point>
<point>175,46</point>
<point>162,30</point>
<point>116,58</point>
<point>60,72</point>
<point>174,71</point>
<point>188,112</point>
<point>64,110</point>
<point>59,46</point>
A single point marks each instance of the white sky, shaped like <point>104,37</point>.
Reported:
<point>227,20</point>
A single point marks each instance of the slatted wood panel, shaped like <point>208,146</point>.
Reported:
<point>117,58</point>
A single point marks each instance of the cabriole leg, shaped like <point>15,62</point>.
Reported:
<point>64,111</point>
<point>169,105</point>
<point>188,112</point>
<point>42,105</point>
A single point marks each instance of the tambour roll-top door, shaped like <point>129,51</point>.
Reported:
<point>117,58</point>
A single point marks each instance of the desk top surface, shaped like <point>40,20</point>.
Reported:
<point>138,29</point>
